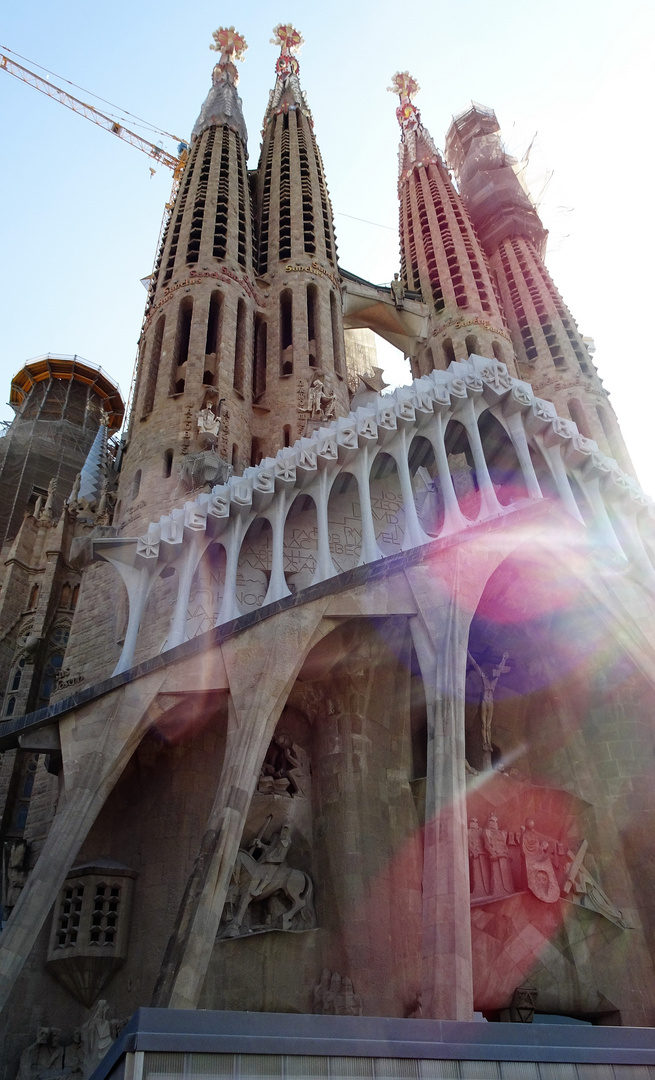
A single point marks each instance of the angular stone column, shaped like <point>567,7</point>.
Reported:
<point>447,591</point>
<point>262,666</point>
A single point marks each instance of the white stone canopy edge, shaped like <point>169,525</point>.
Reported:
<point>350,444</point>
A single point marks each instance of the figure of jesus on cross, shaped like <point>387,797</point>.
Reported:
<point>487,703</point>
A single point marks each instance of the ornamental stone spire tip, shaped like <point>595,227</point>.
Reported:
<point>223,104</point>
<point>287,92</point>
<point>417,146</point>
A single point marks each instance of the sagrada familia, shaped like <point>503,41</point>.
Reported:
<point>327,714</point>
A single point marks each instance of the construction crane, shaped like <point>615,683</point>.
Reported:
<point>176,164</point>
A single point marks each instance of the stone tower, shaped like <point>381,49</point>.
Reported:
<point>550,350</point>
<point>297,265</point>
<point>197,340</point>
<point>441,256</point>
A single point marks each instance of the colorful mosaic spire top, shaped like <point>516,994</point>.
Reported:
<point>290,41</point>
<point>229,43</point>
<point>406,87</point>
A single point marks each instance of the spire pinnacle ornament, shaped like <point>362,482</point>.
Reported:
<point>406,87</point>
<point>232,46</point>
<point>290,41</point>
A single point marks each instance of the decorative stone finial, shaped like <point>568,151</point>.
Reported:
<point>229,43</point>
<point>403,84</point>
<point>290,41</point>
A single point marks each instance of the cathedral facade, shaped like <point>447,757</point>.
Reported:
<point>320,700</point>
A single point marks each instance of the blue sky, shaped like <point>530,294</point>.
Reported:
<point>81,214</point>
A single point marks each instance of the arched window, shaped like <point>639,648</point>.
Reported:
<point>579,417</point>
<point>50,676</point>
<point>259,358</point>
<point>256,452</point>
<point>18,674</point>
<point>168,463</point>
<point>287,434</point>
<point>240,348</point>
<point>337,337</point>
<point>286,333</point>
<point>312,321</point>
<point>183,332</point>
<point>179,387</point>
<point>213,323</point>
<point>153,367</point>
<point>448,351</point>
<point>207,378</point>
<point>76,593</point>
<point>235,455</point>
<point>34,595</point>
<point>65,598</point>
<point>11,705</point>
<point>498,351</point>
<point>136,484</point>
<point>471,343</point>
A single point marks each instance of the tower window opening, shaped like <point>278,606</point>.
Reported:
<point>195,232</point>
<point>65,598</point>
<point>325,200</point>
<point>286,332</point>
<point>168,463</point>
<point>243,204</point>
<point>286,431</point>
<point>18,675</point>
<point>579,417</point>
<point>136,484</point>
<point>179,387</point>
<point>498,351</point>
<point>448,351</point>
<point>259,358</point>
<point>256,452</point>
<point>222,198</point>
<point>213,323</point>
<point>312,302</point>
<point>240,348</point>
<point>306,189</point>
<point>182,198</point>
<point>153,367</point>
<point>183,333</point>
<point>471,343</point>
<point>34,595</point>
<point>284,242</point>
<point>11,705</point>
<point>208,378</point>
<point>235,455</point>
<point>265,209</point>
<point>76,592</point>
<point>337,337</point>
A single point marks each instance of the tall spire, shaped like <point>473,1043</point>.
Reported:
<point>441,256</point>
<point>223,105</point>
<point>416,144</point>
<point>287,91</point>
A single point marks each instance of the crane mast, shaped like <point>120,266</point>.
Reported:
<point>82,108</point>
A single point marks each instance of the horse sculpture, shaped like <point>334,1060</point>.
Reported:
<point>260,880</point>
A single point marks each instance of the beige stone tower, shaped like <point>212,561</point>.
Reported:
<point>199,330</point>
<point>550,350</point>
<point>297,265</point>
<point>441,256</point>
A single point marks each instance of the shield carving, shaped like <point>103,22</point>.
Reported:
<point>539,870</point>
<point>541,879</point>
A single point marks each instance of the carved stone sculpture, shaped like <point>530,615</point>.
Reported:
<point>43,1056</point>
<point>203,470</point>
<point>585,890</point>
<point>97,1035</point>
<point>209,424</point>
<point>15,872</point>
<point>74,1056</point>
<point>539,869</point>
<point>487,703</point>
<point>523,1005</point>
<point>285,770</point>
<point>260,875</point>
<point>479,861</point>
<point>495,842</point>
<point>335,996</point>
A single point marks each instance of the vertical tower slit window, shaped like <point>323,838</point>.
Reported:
<point>182,338</point>
<point>286,333</point>
<point>306,188</point>
<point>265,208</point>
<point>213,323</point>
<point>197,218</point>
<point>240,348</point>
<point>336,336</point>
<point>312,307</point>
<point>325,200</point>
<point>284,245</point>
<point>243,204</point>
<point>153,367</point>
<point>222,198</point>
<point>181,205</point>
<point>259,358</point>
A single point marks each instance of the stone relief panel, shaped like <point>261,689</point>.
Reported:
<point>334,995</point>
<point>47,1059</point>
